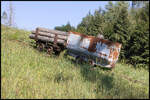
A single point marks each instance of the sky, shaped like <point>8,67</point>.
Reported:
<point>48,14</point>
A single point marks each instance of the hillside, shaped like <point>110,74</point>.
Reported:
<point>28,73</point>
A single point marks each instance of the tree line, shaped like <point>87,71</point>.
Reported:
<point>120,23</point>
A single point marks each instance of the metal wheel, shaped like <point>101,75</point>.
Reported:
<point>50,50</point>
<point>79,60</point>
<point>40,46</point>
<point>91,62</point>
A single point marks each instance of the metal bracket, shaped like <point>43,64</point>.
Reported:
<point>36,34</point>
<point>55,39</point>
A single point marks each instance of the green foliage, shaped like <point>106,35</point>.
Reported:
<point>65,28</point>
<point>92,24</point>
<point>85,26</point>
<point>139,42</point>
<point>121,32</point>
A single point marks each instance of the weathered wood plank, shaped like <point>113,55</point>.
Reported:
<point>46,39</point>
<point>52,31</point>
<point>50,35</point>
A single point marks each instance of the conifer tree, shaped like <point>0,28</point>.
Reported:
<point>139,43</point>
<point>65,28</point>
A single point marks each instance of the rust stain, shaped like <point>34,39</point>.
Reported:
<point>92,46</point>
<point>118,45</point>
<point>107,42</point>
<point>111,53</point>
<point>37,31</point>
<point>100,54</point>
<point>93,41</point>
<point>113,65</point>
<point>104,54</point>
<point>55,39</point>
<point>82,35</point>
<point>115,54</point>
<point>83,47</point>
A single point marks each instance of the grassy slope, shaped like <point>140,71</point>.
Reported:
<point>27,73</point>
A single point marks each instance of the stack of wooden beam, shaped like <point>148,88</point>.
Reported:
<point>48,35</point>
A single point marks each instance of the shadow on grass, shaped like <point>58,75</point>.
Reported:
<point>107,86</point>
<point>93,75</point>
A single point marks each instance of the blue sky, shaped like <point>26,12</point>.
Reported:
<point>48,14</point>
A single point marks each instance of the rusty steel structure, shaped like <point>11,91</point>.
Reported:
<point>95,50</point>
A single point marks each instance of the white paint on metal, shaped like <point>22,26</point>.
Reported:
<point>73,40</point>
<point>85,43</point>
<point>102,48</point>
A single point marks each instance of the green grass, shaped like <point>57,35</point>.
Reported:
<point>28,73</point>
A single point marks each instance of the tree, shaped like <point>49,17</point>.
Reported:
<point>92,24</point>
<point>136,4</point>
<point>110,18</point>
<point>86,25</point>
<point>65,28</point>
<point>139,42</point>
<point>5,18</point>
<point>10,14</point>
<point>98,22</point>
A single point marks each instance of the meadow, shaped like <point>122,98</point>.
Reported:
<point>28,73</point>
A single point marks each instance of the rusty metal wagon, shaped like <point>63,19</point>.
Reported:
<point>96,51</point>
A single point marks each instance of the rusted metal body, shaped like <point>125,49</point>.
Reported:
<point>95,50</point>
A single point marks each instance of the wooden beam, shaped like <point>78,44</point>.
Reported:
<point>46,39</point>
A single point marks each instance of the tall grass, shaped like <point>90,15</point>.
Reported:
<point>28,73</point>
